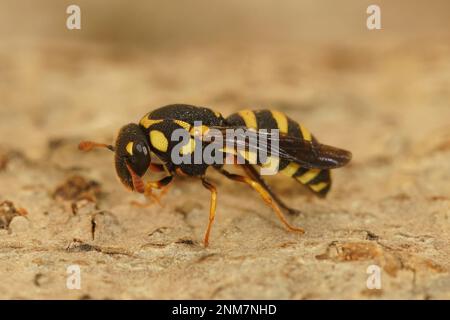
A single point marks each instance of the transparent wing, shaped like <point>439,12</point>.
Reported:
<point>308,154</point>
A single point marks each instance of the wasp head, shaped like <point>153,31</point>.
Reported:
<point>132,155</point>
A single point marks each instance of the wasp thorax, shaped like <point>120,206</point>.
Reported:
<point>132,156</point>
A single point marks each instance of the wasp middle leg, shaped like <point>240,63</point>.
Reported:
<point>212,208</point>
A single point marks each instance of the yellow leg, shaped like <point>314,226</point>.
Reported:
<point>266,197</point>
<point>212,209</point>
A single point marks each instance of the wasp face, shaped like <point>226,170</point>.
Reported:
<point>132,156</point>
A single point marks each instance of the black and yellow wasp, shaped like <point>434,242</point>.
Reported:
<point>299,153</point>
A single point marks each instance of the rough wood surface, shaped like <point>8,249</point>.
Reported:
<point>386,102</point>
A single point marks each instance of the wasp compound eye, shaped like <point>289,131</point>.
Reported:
<point>132,154</point>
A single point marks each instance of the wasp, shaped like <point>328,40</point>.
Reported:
<point>298,152</point>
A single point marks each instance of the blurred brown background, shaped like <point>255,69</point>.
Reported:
<point>382,94</point>
<point>128,58</point>
<point>156,24</point>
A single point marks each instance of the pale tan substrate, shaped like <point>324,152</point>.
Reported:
<point>388,104</point>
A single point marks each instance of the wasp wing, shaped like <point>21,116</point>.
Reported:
<point>308,154</point>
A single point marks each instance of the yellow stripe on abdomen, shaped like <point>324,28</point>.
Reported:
<point>308,175</point>
<point>290,169</point>
<point>318,186</point>
<point>281,120</point>
<point>305,133</point>
<point>249,118</point>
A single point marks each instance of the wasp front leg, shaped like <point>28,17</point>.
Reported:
<point>159,185</point>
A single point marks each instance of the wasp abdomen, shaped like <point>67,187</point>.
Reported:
<point>317,180</point>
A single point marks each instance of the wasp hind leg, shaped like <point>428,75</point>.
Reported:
<point>212,209</point>
<point>252,173</point>
<point>266,197</point>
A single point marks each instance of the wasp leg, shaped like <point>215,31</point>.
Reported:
<point>212,209</point>
<point>266,197</point>
<point>251,171</point>
<point>160,184</point>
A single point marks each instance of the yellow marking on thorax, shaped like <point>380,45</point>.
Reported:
<point>305,133</point>
<point>129,148</point>
<point>188,147</point>
<point>146,122</point>
<point>183,124</point>
<point>308,175</point>
<point>159,140</point>
<point>199,131</point>
<point>290,169</point>
<point>249,118</point>
<point>318,186</point>
<point>282,122</point>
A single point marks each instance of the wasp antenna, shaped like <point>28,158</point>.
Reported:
<point>89,145</point>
